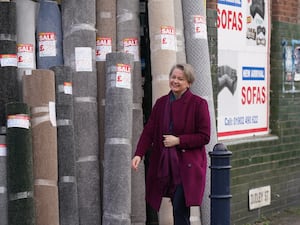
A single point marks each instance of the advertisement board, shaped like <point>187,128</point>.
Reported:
<point>243,68</point>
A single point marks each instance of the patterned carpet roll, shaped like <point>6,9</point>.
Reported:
<point>19,165</point>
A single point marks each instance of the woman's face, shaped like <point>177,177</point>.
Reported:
<point>178,82</point>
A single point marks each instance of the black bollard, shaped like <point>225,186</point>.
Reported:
<point>220,185</point>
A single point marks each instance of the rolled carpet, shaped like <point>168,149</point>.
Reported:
<point>67,186</point>
<point>180,51</point>
<point>9,91</point>
<point>39,94</point>
<point>79,53</point>
<point>21,208</point>
<point>3,182</point>
<point>49,35</point>
<point>118,135</point>
<point>128,40</point>
<point>197,54</point>
<point>163,56</point>
<point>162,44</point>
<point>26,23</point>
<point>106,43</point>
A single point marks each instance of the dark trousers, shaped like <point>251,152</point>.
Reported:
<point>181,213</point>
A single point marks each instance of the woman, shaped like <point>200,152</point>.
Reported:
<point>177,131</point>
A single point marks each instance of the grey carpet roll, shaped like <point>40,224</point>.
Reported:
<point>19,165</point>
<point>197,54</point>
<point>138,204</point>
<point>106,31</point>
<point>39,94</point>
<point>8,62</point>
<point>128,27</point>
<point>79,54</point>
<point>79,45</point>
<point>49,35</point>
<point>67,186</point>
<point>26,23</point>
<point>78,19</point>
<point>118,134</point>
<point>3,182</point>
<point>128,40</point>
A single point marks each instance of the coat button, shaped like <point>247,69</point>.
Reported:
<point>182,150</point>
<point>189,165</point>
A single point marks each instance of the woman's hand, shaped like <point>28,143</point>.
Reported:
<point>135,162</point>
<point>170,140</point>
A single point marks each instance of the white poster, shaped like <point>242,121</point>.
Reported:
<point>243,68</point>
<point>83,59</point>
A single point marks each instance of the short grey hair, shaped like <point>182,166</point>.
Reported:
<point>187,69</point>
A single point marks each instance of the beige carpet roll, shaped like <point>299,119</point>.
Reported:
<point>106,20</point>
<point>163,45</point>
<point>39,94</point>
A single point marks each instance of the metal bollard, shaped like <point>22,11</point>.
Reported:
<point>220,185</point>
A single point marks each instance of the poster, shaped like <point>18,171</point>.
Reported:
<point>243,68</point>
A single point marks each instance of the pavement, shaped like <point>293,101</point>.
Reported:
<point>287,217</point>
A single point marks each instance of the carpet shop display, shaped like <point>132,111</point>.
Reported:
<point>77,84</point>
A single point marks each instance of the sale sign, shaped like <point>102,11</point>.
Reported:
<point>168,38</point>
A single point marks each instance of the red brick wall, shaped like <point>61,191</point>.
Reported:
<point>211,4</point>
<point>285,11</point>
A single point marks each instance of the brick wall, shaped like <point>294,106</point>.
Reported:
<point>285,11</point>
<point>273,159</point>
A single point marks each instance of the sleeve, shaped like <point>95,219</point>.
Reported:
<point>201,134</point>
<point>147,135</point>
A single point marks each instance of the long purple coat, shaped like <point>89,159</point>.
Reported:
<point>191,123</point>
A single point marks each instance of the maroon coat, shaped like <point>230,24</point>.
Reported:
<point>191,123</point>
